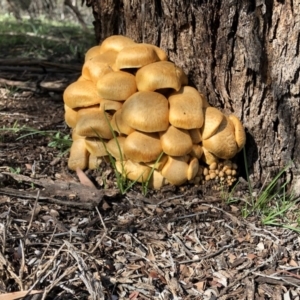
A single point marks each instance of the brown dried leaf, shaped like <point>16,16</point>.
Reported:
<point>84,180</point>
<point>200,286</point>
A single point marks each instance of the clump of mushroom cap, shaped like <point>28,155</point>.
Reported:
<point>142,147</point>
<point>136,56</point>
<point>222,144</point>
<point>239,132</point>
<point>94,122</point>
<point>115,148</point>
<point>116,86</point>
<point>212,120</point>
<point>176,141</point>
<point>96,146</point>
<point>70,116</point>
<point>186,108</point>
<point>94,68</point>
<point>118,125</point>
<point>146,111</point>
<point>81,93</point>
<point>175,170</point>
<point>160,75</point>
<point>133,171</point>
<point>115,43</point>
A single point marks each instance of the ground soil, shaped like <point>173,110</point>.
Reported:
<point>67,240</point>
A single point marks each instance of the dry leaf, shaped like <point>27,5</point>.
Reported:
<point>84,180</point>
<point>293,263</point>
<point>231,257</point>
<point>251,256</point>
<point>134,295</point>
<point>200,285</point>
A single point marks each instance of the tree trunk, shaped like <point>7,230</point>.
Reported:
<point>242,54</point>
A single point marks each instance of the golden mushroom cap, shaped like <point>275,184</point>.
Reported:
<point>115,43</point>
<point>119,125</point>
<point>157,180</point>
<point>81,94</point>
<point>146,111</point>
<point>175,170</point>
<point>70,116</point>
<point>79,155</point>
<point>142,147</point>
<point>116,86</point>
<point>92,122</point>
<point>162,55</point>
<point>186,108</point>
<point>136,56</point>
<point>115,147</point>
<point>96,146</point>
<point>94,68</point>
<point>133,171</point>
<point>160,75</point>
<point>92,52</point>
<point>212,120</point>
<point>222,144</point>
<point>176,141</point>
<point>239,132</point>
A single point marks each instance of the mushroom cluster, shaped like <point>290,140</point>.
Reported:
<point>134,104</point>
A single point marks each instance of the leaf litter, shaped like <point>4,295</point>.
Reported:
<point>68,235</point>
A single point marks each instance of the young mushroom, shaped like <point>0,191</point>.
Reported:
<point>136,56</point>
<point>222,144</point>
<point>81,93</point>
<point>176,141</point>
<point>212,120</point>
<point>117,86</point>
<point>160,75</point>
<point>175,170</point>
<point>94,68</point>
<point>186,108</point>
<point>142,146</point>
<point>146,111</point>
<point>115,43</point>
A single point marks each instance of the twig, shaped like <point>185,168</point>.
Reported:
<point>208,255</point>
<point>103,235</point>
<point>33,212</point>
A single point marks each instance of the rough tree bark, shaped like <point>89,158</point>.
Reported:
<point>242,54</point>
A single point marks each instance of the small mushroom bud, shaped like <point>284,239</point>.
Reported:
<point>213,166</point>
<point>212,175</point>
<point>205,171</point>
<point>207,177</point>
